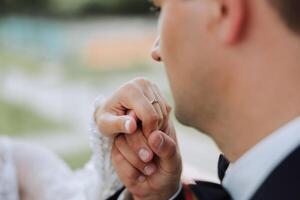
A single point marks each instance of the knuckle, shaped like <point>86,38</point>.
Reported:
<point>129,87</point>
<point>153,118</point>
<point>133,90</point>
<point>161,117</point>
<point>142,81</point>
<point>138,164</point>
<point>164,127</point>
<point>165,116</point>
<point>169,108</point>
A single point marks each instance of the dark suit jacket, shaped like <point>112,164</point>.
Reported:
<point>282,184</point>
<point>284,181</point>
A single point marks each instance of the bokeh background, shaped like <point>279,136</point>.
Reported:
<point>57,56</point>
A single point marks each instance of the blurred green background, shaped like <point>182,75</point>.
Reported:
<point>75,7</point>
<point>57,56</point>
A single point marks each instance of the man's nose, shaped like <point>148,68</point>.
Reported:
<point>155,52</point>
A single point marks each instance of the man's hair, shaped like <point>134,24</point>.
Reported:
<point>289,10</point>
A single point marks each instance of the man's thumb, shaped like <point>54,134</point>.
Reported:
<point>167,151</point>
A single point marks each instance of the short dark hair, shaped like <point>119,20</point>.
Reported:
<point>289,10</point>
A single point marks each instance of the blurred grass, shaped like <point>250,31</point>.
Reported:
<point>71,68</point>
<point>16,119</point>
<point>74,7</point>
<point>10,60</point>
<point>77,160</point>
<point>92,74</point>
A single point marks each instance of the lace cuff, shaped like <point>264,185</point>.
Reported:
<point>8,176</point>
<point>101,146</point>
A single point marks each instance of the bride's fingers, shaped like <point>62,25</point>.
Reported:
<point>150,94</point>
<point>110,125</point>
<point>131,113</point>
<point>163,107</point>
<point>136,95</point>
<point>165,102</point>
<point>131,156</point>
<point>129,175</point>
<point>132,97</point>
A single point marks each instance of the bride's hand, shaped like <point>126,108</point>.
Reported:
<point>136,102</point>
<point>140,96</point>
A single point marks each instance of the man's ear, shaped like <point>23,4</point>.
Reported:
<point>231,20</point>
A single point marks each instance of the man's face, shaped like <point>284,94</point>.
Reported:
<point>192,58</point>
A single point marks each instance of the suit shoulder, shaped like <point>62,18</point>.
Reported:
<point>283,182</point>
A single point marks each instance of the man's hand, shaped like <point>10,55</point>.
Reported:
<point>119,117</point>
<point>164,178</point>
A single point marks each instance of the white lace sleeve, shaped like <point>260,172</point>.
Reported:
<point>98,177</point>
<point>8,178</point>
<point>102,158</point>
<point>44,176</point>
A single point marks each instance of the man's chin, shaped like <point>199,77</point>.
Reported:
<point>181,116</point>
<point>190,120</point>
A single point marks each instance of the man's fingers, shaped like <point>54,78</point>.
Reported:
<point>167,151</point>
<point>139,144</point>
<point>110,125</point>
<point>129,175</point>
<point>132,157</point>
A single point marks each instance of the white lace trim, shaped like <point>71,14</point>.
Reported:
<point>96,181</point>
<point>8,179</point>
<point>102,153</point>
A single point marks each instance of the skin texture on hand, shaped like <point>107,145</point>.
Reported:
<point>137,95</point>
<point>146,160</point>
<point>164,182</point>
<point>132,106</point>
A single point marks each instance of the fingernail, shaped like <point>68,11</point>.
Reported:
<point>159,142</point>
<point>144,154</point>
<point>141,179</point>
<point>149,170</point>
<point>127,125</point>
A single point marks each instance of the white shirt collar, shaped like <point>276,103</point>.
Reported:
<point>245,176</point>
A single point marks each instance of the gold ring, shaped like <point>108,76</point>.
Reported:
<point>154,101</point>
